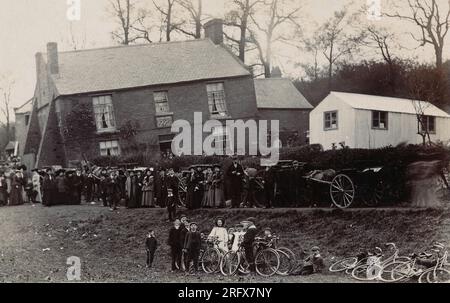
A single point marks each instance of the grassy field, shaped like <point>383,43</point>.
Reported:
<point>36,241</point>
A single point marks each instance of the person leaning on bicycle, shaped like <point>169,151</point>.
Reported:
<point>249,238</point>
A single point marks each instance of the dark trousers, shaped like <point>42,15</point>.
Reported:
<point>250,257</point>
<point>193,256</point>
<point>235,198</point>
<point>269,195</point>
<point>172,210</point>
<point>88,194</point>
<point>175,253</point>
<point>150,257</point>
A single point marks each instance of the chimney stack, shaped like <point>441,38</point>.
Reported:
<point>214,30</point>
<point>52,57</point>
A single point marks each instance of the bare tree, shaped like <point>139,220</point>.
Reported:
<point>239,17</point>
<point>334,42</point>
<point>74,41</point>
<point>6,86</point>
<point>167,11</point>
<point>194,8</point>
<point>277,14</point>
<point>429,85</point>
<point>433,21</point>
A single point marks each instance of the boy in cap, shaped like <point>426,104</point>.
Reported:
<point>175,245</point>
<point>313,263</point>
<point>192,246</point>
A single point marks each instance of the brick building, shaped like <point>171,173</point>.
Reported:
<point>117,100</point>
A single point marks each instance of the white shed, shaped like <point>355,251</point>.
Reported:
<point>365,121</point>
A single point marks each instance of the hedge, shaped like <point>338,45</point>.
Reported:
<point>311,154</point>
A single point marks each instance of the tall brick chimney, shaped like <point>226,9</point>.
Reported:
<point>52,57</point>
<point>214,30</point>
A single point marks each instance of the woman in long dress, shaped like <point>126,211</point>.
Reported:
<point>3,190</point>
<point>16,189</point>
<point>220,232</point>
<point>36,180</point>
<point>198,188</point>
<point>148,190</point>
<point>208,195</point>
<point>219,196</point>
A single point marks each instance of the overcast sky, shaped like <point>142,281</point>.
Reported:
<point>27,25</point>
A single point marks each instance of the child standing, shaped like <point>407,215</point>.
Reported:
<point>192,246</point>
<point>150,245</point>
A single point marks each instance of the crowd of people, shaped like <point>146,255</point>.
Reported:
<point>186,241</point>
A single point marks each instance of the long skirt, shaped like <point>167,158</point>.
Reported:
<point>147,198</point>
<point>15,197</point>
<point>210,202</point>
<point>219,197</point>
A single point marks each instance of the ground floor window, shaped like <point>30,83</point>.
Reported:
<point>165,145</point>
<point>109,148</point>
<point>221,140</point>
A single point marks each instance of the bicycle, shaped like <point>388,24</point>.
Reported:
<point>267,260</point>
<point>377,268</point>
<point>288,259</point>
<point>212,256</point>
<point>416,269</point>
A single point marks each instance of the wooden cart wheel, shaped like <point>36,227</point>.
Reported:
<point>373,195</point>
<point>342,191</point>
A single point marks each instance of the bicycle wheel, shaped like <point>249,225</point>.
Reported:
<point>267,262</point>
<point>386,272</point>
<point>229,263</point>
<point>423,278</point>
<point>360,273</point>
<point>344,264</point>
<point>402,271</point>
<point>439,275</point>
<point>244,267</point>
<point>288,261</point>
<point>210,260</point>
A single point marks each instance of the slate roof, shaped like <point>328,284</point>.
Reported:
<point>388,104</point>
<point>144,65</point>
<point>279,93</point>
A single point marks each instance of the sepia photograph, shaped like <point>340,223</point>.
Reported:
<point>245,143</point>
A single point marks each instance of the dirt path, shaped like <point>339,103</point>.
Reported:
<point>36,241</point>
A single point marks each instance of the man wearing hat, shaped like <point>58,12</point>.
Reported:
<point>235,174</point>
<point>192,246</point>
<point>49,190</point>
<point>249,238</point>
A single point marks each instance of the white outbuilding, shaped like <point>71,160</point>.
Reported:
<point>365,121</point>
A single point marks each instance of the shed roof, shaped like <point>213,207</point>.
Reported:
<point>24,108</point>
<point>388,104</point>
<point>279,93</point>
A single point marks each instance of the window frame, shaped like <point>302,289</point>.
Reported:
<point>109,148</point>
<point>386,119</point>
<point>433,132</point>
<point>112,117</point>
<point>210,93</point>
<point>325,119</point>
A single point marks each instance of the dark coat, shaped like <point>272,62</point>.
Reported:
<point>235,175</point>
<point>175,238</point>
<point>249,237</point>
<point>193,241</point>
<point>151,243</point>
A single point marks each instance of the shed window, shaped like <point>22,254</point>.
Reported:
<point>429,124</point>
<point>216,99</point>
<point>109,148</point>
<point>330,120</point>
<point>104,113</point>
<point>379,120</point>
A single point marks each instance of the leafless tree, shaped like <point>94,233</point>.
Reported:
<point>334,41</point>
<point>277,13</point>
<point>239,17</point>
<point>167,11</point>
<point>433,21</point>
<point>6,86</point>
<point>194,9</point>
<point>75,42</point>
